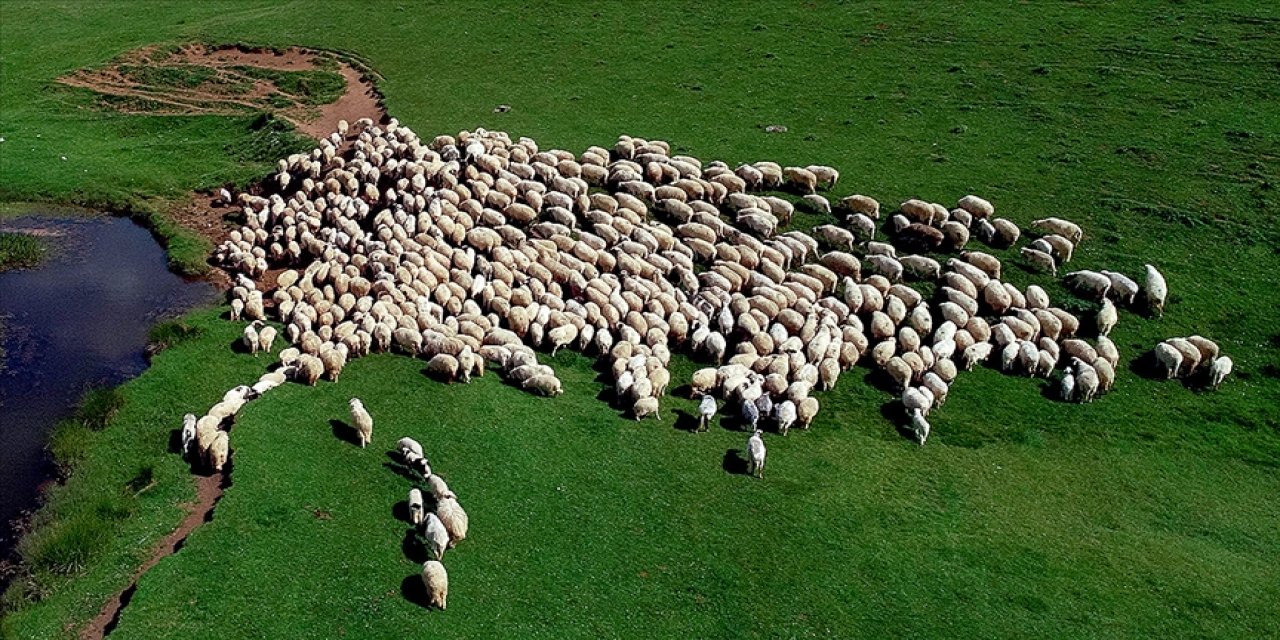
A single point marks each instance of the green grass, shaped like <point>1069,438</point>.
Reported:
<point>1150,512</point>
<point>20,250</point>
<point>313,87</point>
<point>183,76</point>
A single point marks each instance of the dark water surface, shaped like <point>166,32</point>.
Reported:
<point>77,321</point>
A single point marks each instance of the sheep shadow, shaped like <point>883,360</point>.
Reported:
<point>608,395</point>
<point>1147,366</point>
<point>896,414</point>
<point>686,421</point>
<point>1050,390</point>
<point>734,462</point>
<point>344,431</point>
<point>413,548</point>
<point>400,511</point>
<point>878,378</point>
<point>238,346</point>
<point>403,471</point>
<point>175,441</point>
<point>412,589</point>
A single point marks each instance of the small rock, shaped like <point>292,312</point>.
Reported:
<point>775,128</point>
<point>63,157</point>
<point>502,108</point>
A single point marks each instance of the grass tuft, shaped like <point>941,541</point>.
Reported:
<point>20,250</point>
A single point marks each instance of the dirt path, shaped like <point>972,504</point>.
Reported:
<point>208,491</point>
<point>195,79</point>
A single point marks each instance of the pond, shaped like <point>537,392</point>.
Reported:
<point>78,320</point>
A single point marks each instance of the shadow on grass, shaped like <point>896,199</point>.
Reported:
<point>412,589</point>
<point>403,471</point>
<point>686,421</point>
<point>344,432</point>
<point>400,511</point>
<point>734,462</point>
<point>413,548</point>
<point>175,441</point>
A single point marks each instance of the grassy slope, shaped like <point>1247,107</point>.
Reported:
<point>1150,511</point>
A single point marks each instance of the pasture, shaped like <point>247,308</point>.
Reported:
<point>1150,511</point>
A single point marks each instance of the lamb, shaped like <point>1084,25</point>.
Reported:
<point>437,537</point>
<point>454,519</point>
<point>706,411</point>
<point>1156,290</point>
<point>362,421</point>
<point>1067,386</point>
<point>188,433</point>
<point>1219,370</point>
<point>919,426</point>
<point>756,454</point>
<point>436,580</point>
<point>416,509</point>
<point>1086,381</point>
<point>750,414</point>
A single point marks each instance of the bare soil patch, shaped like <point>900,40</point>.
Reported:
<point>310,89</point>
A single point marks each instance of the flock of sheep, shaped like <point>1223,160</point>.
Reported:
<point>472,251</point>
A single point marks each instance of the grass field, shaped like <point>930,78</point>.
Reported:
<point>1150,512</point>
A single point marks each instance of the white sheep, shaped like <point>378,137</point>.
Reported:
<point>439,488</point>
<point>756,454</point>
<point>785,415</point>
<point>454,519</point>
<point>1156,290</point>
<point>436,581</point>
<point>407,445</point>
<point>437,537</point>
<point>416,508</point>
<point>919,426</point>
<point>644,407</point>
<point>1219,370</point>
<point>218,451</point>
<point>706,411</point>
<point>250,337</point>
<point>188,432</point>
<point>362,421</point>
<point>1107,317</point>
<point>1067,386</point>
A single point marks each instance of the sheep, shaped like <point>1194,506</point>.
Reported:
<point>1208,349</point>
<point>437,537</point>
<point>756,454</point>
<point>269,381</point>
<point>913,400</point>
<point>439,488</point>
<point>976,206</point>
<point>416,509</point>
<point>436,581</point>
<point>545,385</point>
<point>976,353</point>
<point>1219,370</point>
<point>785,414</point>
<point>819,203</point>
<point>188,433</point>
<point>218,451</point>
<point>1169,359</point>
<point>645,406</point>
<point>858,203</point>
<point>1123,288</point>
<point>750,414</point>
<point>1107,317</point>
<point>266,338</point>
<point>1156,290</point>
<point>443,367</point>
<point>362,421</point>
<point>406,446</point>
<point>1090,282</point>
<point>1086,381</point>
<point>919,426</point>
<point>706,411</point>
<point>1040,260</point>
<point>454,519</point>
<point>1059,226</point>
<point>249,337</point>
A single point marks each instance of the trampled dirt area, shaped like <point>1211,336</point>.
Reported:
<point>311,89</point>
